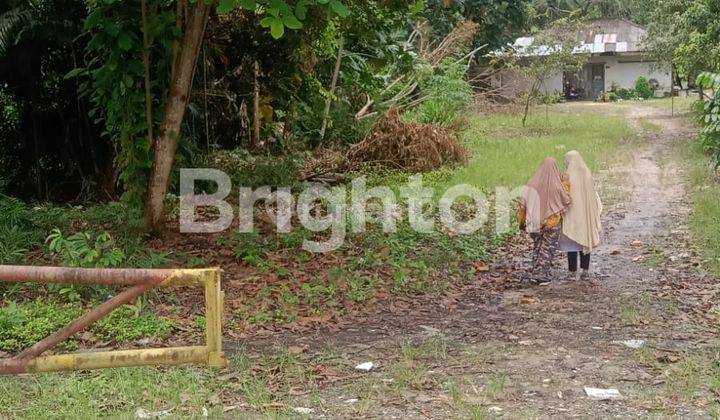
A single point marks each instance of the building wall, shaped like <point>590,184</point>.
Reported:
<point>623,71</point>
<point>513,84</point>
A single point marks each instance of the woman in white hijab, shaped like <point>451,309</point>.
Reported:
<point>581,223</point>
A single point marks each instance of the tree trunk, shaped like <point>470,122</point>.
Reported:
<point>146,65</point>
<point>333,87</point>
<point>166,144</point>
<point>256,107</point>
<point>531,95</point>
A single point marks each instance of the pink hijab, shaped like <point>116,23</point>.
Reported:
<point>544,196</point>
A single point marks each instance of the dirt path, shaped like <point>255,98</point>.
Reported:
<point>529,352</point>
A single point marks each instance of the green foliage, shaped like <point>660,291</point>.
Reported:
<point>685,33</point>
<point>18,231</point>
<point>506,154</point>
<point>24,325</point>
<point>247,170</point>
<point>637,11</point>
<point>500,21</point>
<point>549,98</point>
<point>280,15</point>
<point>126,324</point>
<point>705,199</point>
<point>448,93</point>
<point>9,136</point>
<point>625,94</point>
<point>85,249</point>
<point>709,115</point>
<point>642,88</point>
<point>113,80</point>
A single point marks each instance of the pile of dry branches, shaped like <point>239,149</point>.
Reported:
<point>407,145</point>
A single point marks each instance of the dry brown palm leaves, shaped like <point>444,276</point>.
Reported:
<point>407,145</point>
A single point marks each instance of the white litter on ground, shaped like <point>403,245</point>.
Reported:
<point>303,410</point>
<point>602,394</point>
<point>367,366</point>
<point>633,344</point>
<point>141,413</point>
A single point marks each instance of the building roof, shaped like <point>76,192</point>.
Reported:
<point>602,36</point>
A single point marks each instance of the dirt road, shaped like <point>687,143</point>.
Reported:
<point>530,351</point>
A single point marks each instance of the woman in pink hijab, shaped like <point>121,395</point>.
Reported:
<point>544,201</point>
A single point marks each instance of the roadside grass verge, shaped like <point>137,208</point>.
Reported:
<point>705,195</point>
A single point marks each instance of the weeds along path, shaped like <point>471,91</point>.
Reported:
<point>530,351</point>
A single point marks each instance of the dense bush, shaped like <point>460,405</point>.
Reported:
<point>448,94</point>
<point>9,138</point>
<point>709,115</point>
<point>248,170</point>
<point>625,94</point>
<point>642,88</point>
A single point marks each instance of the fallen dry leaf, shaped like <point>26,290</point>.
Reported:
<point>297,349</point>
<point>481,267</point>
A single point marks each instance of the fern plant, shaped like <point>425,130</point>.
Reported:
<point>13,24</point>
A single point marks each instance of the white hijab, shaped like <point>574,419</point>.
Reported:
<point>581,222</point>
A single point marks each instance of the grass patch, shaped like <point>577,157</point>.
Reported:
<point>689,377</point>
<point>24,324</point>
<point>634,311</point>
<point>260,387</point>
<point>705,195</point>
<point>112,392</point>
<point>506,154</point>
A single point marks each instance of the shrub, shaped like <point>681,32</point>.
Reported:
<point>448,94</point>
<point>708,112</point>
<point>18,231</point>
<point>9,138</point>
<point>642,88</point>
<point>625,94</point>
<point>549,98</point>
<point>85,249</point>
<point>247,170</point>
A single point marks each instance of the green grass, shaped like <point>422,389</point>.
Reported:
<point>24,324</point>
<point>506,154</point>
<point>705,194</point>
<point>260,387</point>
<point>113,392</point>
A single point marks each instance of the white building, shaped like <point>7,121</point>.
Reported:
<point>616,60</point>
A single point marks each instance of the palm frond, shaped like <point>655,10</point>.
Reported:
<point>12,24</point>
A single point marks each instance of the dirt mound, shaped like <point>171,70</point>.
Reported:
<point>407,145</point>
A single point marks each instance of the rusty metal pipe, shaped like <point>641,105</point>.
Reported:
<point>82,276</point>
